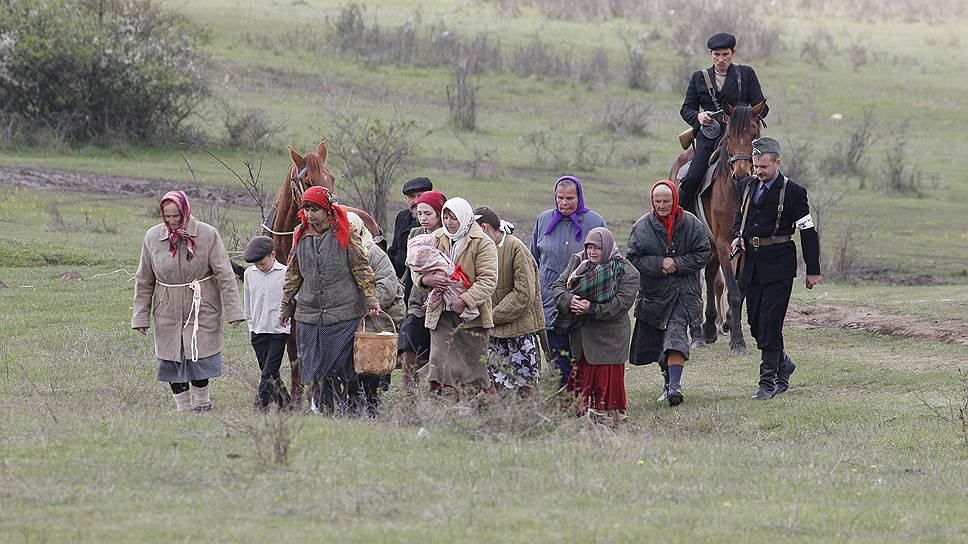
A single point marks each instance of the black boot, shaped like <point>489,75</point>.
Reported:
<point>769,365</point>
<point>685,198</point>
<point>787,366</point>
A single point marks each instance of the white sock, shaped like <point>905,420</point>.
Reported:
<point>183,401</point>
<point>201,398</point>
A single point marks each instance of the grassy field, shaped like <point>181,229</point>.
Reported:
<point>92,450</point>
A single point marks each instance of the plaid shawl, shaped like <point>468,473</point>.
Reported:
<point>598,284</point>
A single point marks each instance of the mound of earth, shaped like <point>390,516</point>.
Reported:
<point>866,319</point>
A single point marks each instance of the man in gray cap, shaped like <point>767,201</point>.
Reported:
<point>763,237</point>
<point>710,90</point>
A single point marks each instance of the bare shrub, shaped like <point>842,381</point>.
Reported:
<point>594,69</point>
<point>825,194</point>
<point>244,127</point>
<point>537,59</point>
<point>796,155</point>
<point>897,176</point>
<point>577,153</point>
<point>481,159</point>
<point>858,55</point>
<point>849,153</point>
<point>270,434</point>
<point>845,250</point>
<point>637,72</point>
<point>817,47</point>
<point>372,153</point>
<point>693,22</point>
<point>682,71</point>
<point>625,117</point>
<point>462,96</point>
<point>957,413</point>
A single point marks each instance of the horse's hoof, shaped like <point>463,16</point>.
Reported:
<point>698,343</point>
<point>738,351</point>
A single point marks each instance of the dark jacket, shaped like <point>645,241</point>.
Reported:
<point>779,261</point>
<point>658,292</point>
<point>604,338</point>
<point>741,87</point>
<point>398,247</point>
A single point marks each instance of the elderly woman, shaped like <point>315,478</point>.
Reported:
<point>594,295</point>
<point>513,357</point>
<point>329,270</point>
<point>414,339</point>
<point>558,234</point>
<point>668,246</point>
<point>458,347</point>
<point>184,279</point>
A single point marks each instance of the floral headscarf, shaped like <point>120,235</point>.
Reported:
<point>179,199</point>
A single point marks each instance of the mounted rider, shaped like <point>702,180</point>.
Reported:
<point>710,91</point>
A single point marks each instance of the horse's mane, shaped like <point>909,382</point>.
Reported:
<point>739,122</point>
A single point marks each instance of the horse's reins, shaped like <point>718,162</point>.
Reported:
<point>297,187</point>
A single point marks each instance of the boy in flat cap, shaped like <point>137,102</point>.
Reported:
<point>710,90</point>
<point>263,296</point>
<point>772,207</point>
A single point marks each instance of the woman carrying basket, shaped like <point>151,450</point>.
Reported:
<point>184,280</point>
<point>329,271</point>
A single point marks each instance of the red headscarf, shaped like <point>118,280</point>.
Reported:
<point>339,221</point>
<point>179,199</point>
<point>668,221</point>
<point>434,199</point>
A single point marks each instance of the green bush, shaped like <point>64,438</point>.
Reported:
<point>99,71</point>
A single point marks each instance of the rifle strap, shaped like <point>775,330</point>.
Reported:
<point>709,89</point>
<point>779,208</point>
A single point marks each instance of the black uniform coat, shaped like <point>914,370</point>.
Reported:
<point>779,261</point>
<point>402,225</point>
<point>698,96</point>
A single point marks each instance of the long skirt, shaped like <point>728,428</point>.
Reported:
<point>457,355</point>
<point>187,370</point>
<point>650,344</point>
<point>601,387</point>
<point>325,351</point>
<point>514,362</point>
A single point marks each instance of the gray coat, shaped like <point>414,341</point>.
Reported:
<point>605,336</point>
<point>658,292</point>
<point>328,293</point>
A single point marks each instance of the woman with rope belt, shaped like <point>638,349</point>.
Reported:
<point>183,281</point>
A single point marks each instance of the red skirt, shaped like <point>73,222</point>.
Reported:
<point>601,387</point>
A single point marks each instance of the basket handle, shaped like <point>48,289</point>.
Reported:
<point>362,327</point>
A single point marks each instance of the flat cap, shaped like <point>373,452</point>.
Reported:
<point>766,145</point>
<point>418,184</point>
<point>721,41</point>
<point>258,248</point>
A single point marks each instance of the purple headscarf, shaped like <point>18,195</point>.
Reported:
<point>581,209</point>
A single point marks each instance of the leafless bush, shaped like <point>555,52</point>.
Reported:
<point>462,96</point>
<point>817,47</point>
<point>625,117</point>
<point>691,23</point>
<point>372,153</point>
<point>796,159</point>
<point>897,175</point>
<point>594,69</point>
<point>845,250</point>
<point>825,194</point>
<point>562,152</point>
<point>849,154</point>
<point>537,59</point>
<point>244,127</point>
<point>270,434</point>
<point>957,412</point>
<point>481,159</point>
<point>682,70</point>
<point>637,72</point>
<point>858,55</point>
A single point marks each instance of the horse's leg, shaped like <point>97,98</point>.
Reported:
<point>722,316</point>
<point>709,330</point>
<point>695,329</point>
<point>737,344</point>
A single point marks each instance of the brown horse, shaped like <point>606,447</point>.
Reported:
<point>733,162</point>
<point>304,172</point>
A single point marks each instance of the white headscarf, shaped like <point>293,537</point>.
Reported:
<point>465,217</point>
<point>356,223</point>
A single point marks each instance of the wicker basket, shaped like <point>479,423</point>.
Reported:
<point>374,354</point>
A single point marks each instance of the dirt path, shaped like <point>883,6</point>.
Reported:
<point>866,319</point>
<point>86,182</point>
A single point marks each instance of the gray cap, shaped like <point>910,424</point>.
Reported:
<point>721,41</point>
<point>766,145</point>
<point>258,248</point>
<point>421,184</point>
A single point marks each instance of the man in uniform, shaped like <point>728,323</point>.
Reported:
<point>772,206</point>
<point>405,221</point>
<point>728,84</point>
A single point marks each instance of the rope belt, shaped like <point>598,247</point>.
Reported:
<point>196,287</point>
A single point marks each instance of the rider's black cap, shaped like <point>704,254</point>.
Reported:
<point>721,41</point>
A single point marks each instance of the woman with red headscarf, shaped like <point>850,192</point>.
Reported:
<point>183,281</point>
<point>329,271</point>
<point>414,340</point>
<point>668,246</point>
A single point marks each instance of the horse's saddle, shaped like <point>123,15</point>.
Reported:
<point>707,182</point>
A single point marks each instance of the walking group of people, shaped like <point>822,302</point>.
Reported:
<point>478,309</point>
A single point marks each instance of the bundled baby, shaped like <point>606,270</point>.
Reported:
<point>424,258</point>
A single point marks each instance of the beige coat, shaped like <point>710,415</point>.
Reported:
<point>517,299</point>
<point>170,306</point>
<point>478,259</point>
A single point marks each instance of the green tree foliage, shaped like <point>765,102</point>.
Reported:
<point>99,70</point>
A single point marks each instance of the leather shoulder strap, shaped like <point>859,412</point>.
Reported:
<point>709,86</point>
<point>779,208</point>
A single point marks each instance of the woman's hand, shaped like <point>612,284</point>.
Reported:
<point>373,312</point>
<point>438,281</point>
<point>458,306</point>
<point>669,266</point>
<point>142,330</point>
<point>579,305</point>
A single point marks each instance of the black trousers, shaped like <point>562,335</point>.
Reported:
<point>269,349</point>
<point>560,348</point>
<point>697,169</point>
<point>766,307</point>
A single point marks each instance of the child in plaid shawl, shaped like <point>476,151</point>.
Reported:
<point>592,282</point>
